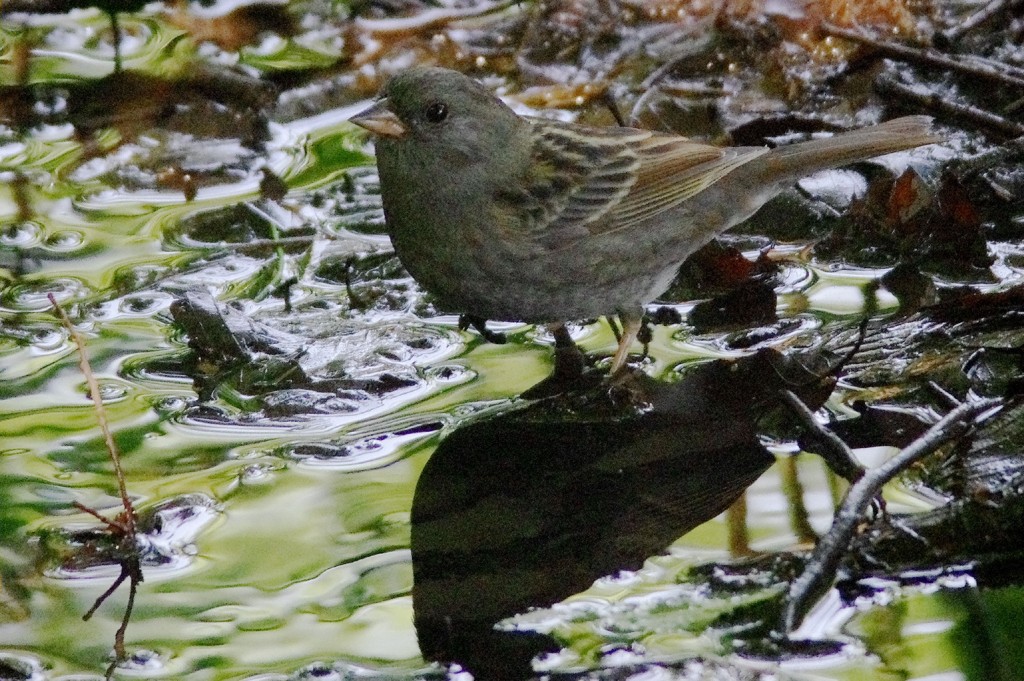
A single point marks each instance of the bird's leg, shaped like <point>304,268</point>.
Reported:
<point>480,324</point>
<point>609,101</point>
<point>631,323</point>
<point>570,373</point>
<point>115,27</point>
<point>569,360</point>
<point>645,335</point>
<point>614,327</point>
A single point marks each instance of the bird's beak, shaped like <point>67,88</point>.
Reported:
<point>380,120</point>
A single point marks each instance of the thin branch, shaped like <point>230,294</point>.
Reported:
<point>821,567</point>
<point>862,333</point>
<point>106,594</point>
<point>950,400</point>
<point>101,414</point>
<point>135,573</point>
<point>128,551</point>
<point>837,455</point>
<point>648,87</point>
<point>1003,75</point>
<point>609,101</point>
<point>986,13</point>
<point>112,525</point>
<point>939,104</point>
<point>115,28</point>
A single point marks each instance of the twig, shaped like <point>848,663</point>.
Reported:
<point>115,28</point>
<point>101,414</point>
<point>648,86</point>
<point>609,101</point>
<point>989,11</point>
<point>134,572</point>
<point>862,333</point>
<point>112,525</point>
<point>106,594</point>
<point>821,567</point>
<point>939,104</point>
<point>128,551</point>
<point>1004,75</point>
<point>951,401</point>
<point>835,452</point>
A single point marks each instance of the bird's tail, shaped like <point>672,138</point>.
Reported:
<point>794,161</point>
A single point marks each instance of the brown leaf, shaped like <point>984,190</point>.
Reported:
<point>956,204</point>
<point>909,195</point>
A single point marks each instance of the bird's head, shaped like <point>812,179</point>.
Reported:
<point>442,113</point>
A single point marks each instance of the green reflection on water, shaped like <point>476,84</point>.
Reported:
<point>304,561</point>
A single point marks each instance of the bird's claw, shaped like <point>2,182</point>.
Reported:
<point>479,324</point>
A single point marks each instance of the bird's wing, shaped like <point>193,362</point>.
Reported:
<point>672,170</point>
<point>573,180</point>
<point>601,180</point>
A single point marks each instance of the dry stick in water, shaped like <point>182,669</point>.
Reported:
<point>1001,74</point>
<point>983,15</point>
<point>837,455</point>
<point>835,452</point>
<point>821,567</point>
<point>131,568</point>
<point>941,105</point>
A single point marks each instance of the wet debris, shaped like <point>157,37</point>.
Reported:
<point>636,474</point>
<point>166,536</point>
<point>717,268</point>
<point>970,339</point>
<point>750,304</point>
<point>902,220</point>
<point>338,370</point>
<point>740,293</point>
<point>976,445</point>
<point>979,474</point>
<point>820,569</point>
<point>951,102</point>
<point>984,483</point>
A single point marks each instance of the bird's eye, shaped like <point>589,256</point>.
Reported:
<point>436,112</point>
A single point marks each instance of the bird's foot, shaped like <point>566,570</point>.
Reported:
<point>480,325</point>
<point>572,371</point>
<point>630,386</point>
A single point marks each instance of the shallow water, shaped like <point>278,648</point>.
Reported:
<point>283,544</point>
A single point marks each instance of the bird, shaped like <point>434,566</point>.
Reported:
<point>512,218</point>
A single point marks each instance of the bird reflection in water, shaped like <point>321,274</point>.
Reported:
<point>527,508</point>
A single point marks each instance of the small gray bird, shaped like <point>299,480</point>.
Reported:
<point>510,218</point>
